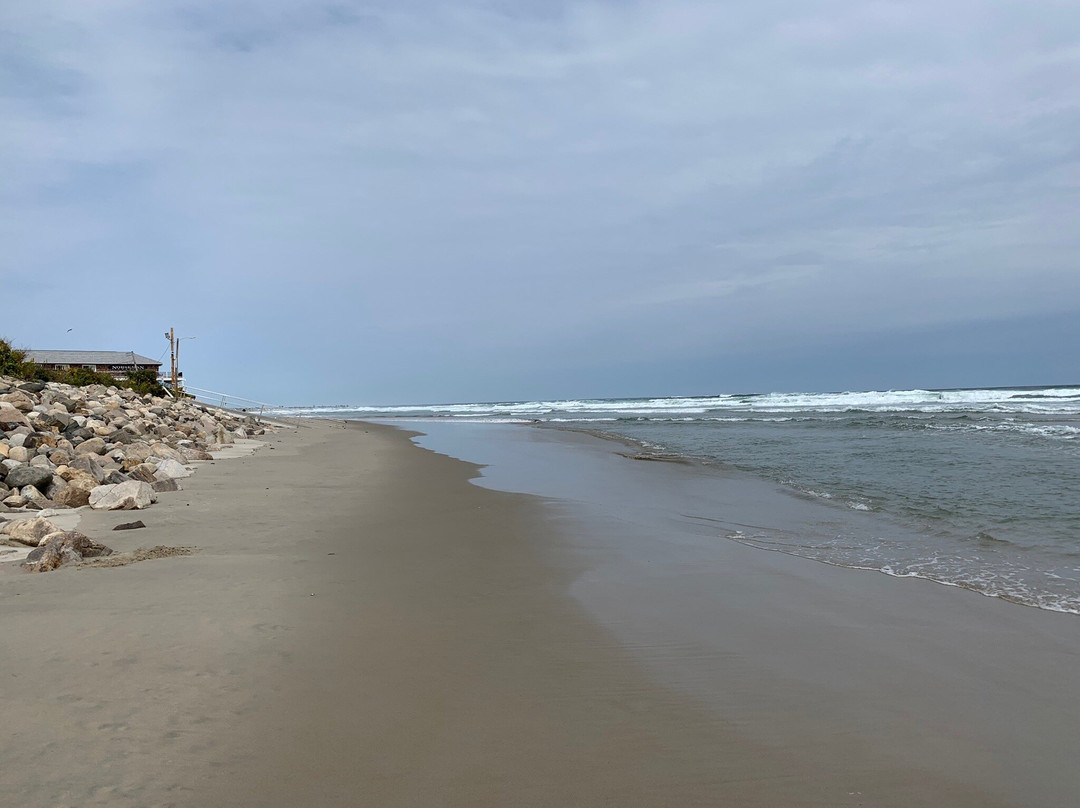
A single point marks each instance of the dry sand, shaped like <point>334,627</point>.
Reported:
<point>361,626</point>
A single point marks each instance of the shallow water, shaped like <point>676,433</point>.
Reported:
<point>974,488</point>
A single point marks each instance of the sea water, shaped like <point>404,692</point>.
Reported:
<point>972,488</point>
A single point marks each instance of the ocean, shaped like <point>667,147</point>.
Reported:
<point>978,488</point>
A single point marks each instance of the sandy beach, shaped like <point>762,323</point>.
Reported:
<point>361,625</point>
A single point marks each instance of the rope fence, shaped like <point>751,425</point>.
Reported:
<point>250,406</point>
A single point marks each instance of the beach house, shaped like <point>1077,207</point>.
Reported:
<point>116,363</point>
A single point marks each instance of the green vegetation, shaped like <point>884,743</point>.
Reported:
<point>144,382</point>
<point>13,362</point>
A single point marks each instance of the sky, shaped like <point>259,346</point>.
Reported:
<point>417,202</point>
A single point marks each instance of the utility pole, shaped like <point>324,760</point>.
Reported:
<point>171,336</point>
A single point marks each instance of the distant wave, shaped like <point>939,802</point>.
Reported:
<point>1034,401</point>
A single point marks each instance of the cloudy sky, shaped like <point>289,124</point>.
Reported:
<point>403,201</point>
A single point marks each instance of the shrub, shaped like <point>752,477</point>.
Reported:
<point>144,382</point>
<point>13,362</point>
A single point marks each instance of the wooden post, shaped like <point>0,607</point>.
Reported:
<point>172,358</point>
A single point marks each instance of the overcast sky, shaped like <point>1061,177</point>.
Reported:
<point>401,201</point>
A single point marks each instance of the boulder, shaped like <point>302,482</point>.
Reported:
<point>76,433</point>
<point>72,497</point>
<point>33,440</point>
<point>166,485</point>
<point>89,465</point>
<point>144,472</point>
<point>63,548</point>
<point>20,453</point>
<point>137,452</point>
<point>165,452</point>
<point>136,525</point>
<point>4,449</point>
<point>191,454</point>
<point>170,469</point>
<point>56,485</point>
<point>31,532</point>
<point>13,500</point>
<point>126,496</point>
<point>80,479</point>
<point>91,446</point>
<point>50,419</point>
<point>10,417</point>
<point>29,475</point>
<point>42,441</point>
<point>34,498</point>
<point>19,400</point>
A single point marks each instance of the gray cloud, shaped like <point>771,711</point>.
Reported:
<point>491,200</point>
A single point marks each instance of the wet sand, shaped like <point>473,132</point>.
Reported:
<point>363,626</point>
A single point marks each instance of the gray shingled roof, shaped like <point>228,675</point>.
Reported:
<point>89,358</point>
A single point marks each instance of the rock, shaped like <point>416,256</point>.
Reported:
<point>80,479</point>
<point>170,469</point>
<point>32,387</point>
<point>19,400</point>
<point>144,472</point>
<point>33,440</point>
<point>4,449</point>
<point>130,525</point>
<point>89,465</point>
<point>20,453</point>
<point>34,498</point>
<point>165,452</point>
<point>14,500</point>
<point>192,454</point>
<point>30,532</point>
<point>29,475</point>
<point>56,485</point>
<point>166,485</point>
<point>52,419</point>
<point>116,477</point>
<point>72,497</point>
<point>10,417</point>
<point>120,436</point>
<point>42,441</point>
<point>91,446</point>
<point>130,495</point>
<point>137,452</point>
<point>76,433</point>
<point>63,548</point>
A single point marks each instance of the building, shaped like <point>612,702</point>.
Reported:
<point>116,363</point>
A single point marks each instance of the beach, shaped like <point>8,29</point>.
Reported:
<point>363,625</point>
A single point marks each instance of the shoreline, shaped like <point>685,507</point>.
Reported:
<point>649,453</point>
<point>645,451</point>
<point>364,625</point>
<point>868,665</point>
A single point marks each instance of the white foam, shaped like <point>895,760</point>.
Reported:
<point>1042,401</point>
